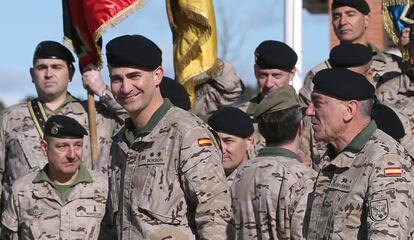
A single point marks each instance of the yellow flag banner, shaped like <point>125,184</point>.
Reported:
<point>193,27</point>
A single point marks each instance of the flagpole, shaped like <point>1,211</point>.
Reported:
<point>92,127</point>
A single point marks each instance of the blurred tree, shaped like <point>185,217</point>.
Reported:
<point>2,105</point>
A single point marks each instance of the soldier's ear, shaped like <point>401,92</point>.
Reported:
<point>351,109</point>
<point>31,70</point>
<point>157,75</point>
<point>367,20</point>
<point>71,73</point>
<point>249,141</point>
<point>43,147</point>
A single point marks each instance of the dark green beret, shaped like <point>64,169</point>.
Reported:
<point>274,54</point>
<point>350,55</point>
<point>280,99</point>
<point>54,50</point>
<point>133,50</point>
<point>360,5</point>
<point>343,84</point>
<point>232,121</point>
<point>174,91</point>
<point>60,126</point>
<point>388,121</point>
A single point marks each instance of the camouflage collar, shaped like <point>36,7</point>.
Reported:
<point>131,132</point>
<point>69,98</point>
<point>277,151</point>
<point>253,105</point>
<point>378,56</point>
<point>359,141</point>
<point>83,176</point>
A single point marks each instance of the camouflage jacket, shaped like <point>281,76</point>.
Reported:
<point>399,94</point>
<point>258,140</point>
<point>20,140</point>
<point>35,211</point>
<point>269,195</point>
<point>365,192</point>
<point>222,90</point>
<point>168,180</point>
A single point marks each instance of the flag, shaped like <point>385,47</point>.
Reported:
<point>84,21</point>
<point>193,27</point>
<point>397,15</point>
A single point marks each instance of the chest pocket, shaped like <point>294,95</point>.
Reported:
<point>39,222</point>
<point>161,196</point>
<point>346,196</point>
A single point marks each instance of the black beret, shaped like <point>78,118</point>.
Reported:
<point>343,84</point>
<point>232,121</point>
<point>388,121</point>
<point>350,55</point>
<point>274,54</point>
<point>360,5</point>
<point>52,49</point>
<point>60,126</point>
<point>133,50</point>
<point>174,91</point>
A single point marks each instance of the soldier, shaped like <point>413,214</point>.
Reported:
<point>274,67</point>
<point>358,58</point>
<point>21,125</point>
<point>235,129</point>
<point>167,177</point>
<point>350,21</point>
<point>364,185</point>
<point>64,200</point>
<point>270,191</point>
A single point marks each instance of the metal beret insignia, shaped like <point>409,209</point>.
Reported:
<point>55,128</point>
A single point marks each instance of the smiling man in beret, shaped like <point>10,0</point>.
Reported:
<point>364,186</point>
<point>64,200</point>
<point>270,191</point>
<point>167,177</point>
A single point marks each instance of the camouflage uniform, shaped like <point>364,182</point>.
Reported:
<point>35,211</point>
<point>399,94</point>
<point>167,179</point>
<point>222,90</point>
<point>269,195</point>
<point>20,141</point>
<point>258,140</point>
<point>386,67</point>
<point>365,192</point>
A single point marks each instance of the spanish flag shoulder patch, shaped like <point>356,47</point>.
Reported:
<point>203,142</point>
<point>392,171</point>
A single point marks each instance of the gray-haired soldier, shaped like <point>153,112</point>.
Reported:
<point>364,188</point>
<point>270,191</point>
<point>64,200</point>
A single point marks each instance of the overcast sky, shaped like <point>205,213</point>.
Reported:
<point>26,24</point>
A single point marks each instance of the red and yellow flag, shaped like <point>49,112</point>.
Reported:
<point>84,21</point>
<point>193,26</point>
<point>392,171</point>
